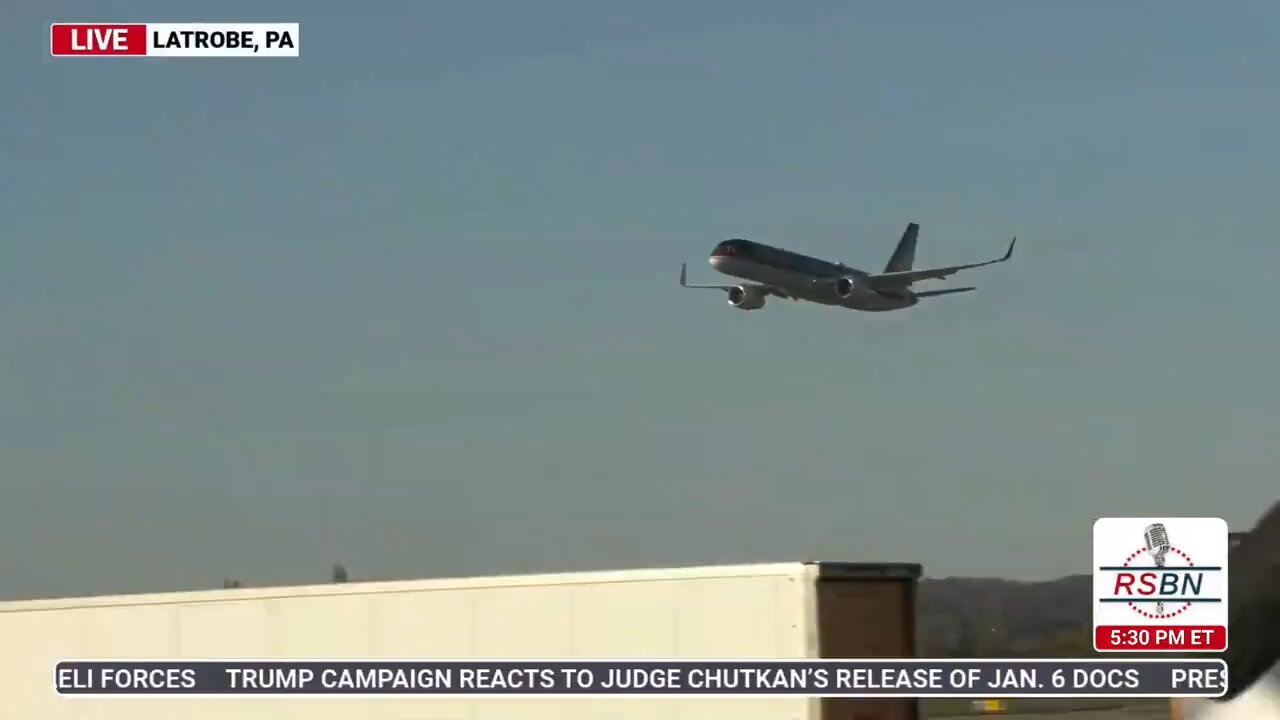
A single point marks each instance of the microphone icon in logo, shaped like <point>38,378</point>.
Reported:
<point>1157,539</point>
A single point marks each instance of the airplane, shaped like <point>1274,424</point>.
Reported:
<point>789,275</point>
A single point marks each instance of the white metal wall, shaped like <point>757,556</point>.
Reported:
<point>734,612</point>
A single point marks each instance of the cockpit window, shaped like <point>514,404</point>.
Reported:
<point>730,248</point>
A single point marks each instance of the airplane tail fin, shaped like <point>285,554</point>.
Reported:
<point>904,256</point>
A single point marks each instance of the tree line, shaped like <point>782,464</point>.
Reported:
<point>337,574</point>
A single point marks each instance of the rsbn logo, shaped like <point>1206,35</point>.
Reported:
<point>1158,579</point>
<point>1160,584</point>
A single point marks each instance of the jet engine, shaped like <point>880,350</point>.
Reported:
<point>746,298</point>
<point>845,286</point>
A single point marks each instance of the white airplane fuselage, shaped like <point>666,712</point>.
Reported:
<point>800,284</point>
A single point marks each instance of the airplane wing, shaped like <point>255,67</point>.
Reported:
<point>906,277</point>
<point>948,291</point>
<point>767,289</point>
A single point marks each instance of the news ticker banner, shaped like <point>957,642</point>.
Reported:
<point>1160,584</point>
<point>209,40</point>
<point>1007,678</point>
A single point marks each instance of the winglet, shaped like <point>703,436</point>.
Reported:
<point>683,275</point>
<point>1010,253</point>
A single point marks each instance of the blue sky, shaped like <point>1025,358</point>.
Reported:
<point>409,302</point>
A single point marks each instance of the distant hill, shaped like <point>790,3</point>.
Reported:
<point>977,617</point>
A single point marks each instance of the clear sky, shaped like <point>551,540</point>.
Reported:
<point>409,302</point>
